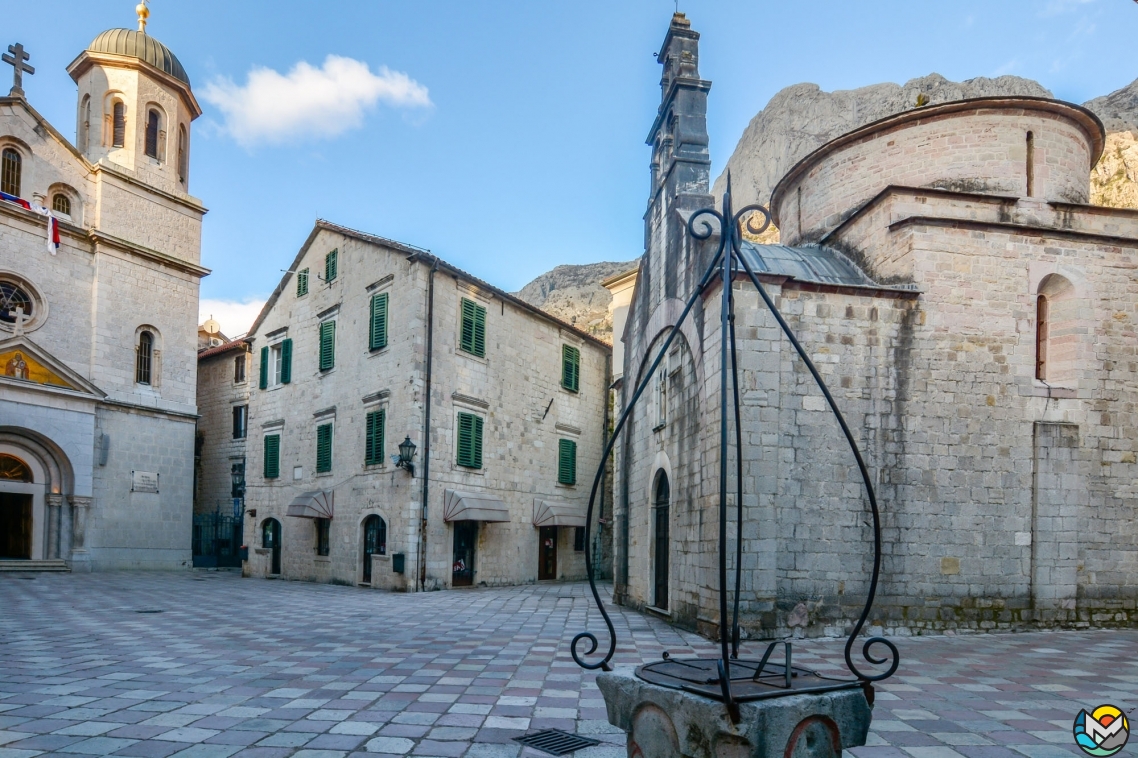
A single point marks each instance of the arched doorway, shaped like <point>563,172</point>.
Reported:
<point>661,510</point>
<point>16,541</point>
<point>271,540</point>
<point>375,542</point>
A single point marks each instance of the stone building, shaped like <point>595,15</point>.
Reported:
<point>97,338</point>
<point>223,403</point>
<point>974,317</point>
<point>364,345</point>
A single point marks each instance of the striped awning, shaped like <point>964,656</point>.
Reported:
<point>555,513</point>
<point>473,506</point>
<point>317,504</point>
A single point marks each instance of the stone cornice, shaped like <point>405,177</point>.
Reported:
<point>188,201</point>
<point>1011,228</point>
<point>87,58</point>
<point>102,238</point>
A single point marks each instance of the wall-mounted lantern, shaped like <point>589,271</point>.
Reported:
<point>406,454</point>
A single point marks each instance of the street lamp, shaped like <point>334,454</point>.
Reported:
<point>406,453</point>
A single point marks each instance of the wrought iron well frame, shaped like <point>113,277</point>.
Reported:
<point>728,261</point>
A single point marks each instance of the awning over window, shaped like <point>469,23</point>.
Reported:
<point>554,513</point>
<point>472,506</point>
<point>316,504</point>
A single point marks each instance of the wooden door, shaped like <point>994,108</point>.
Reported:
<point>375,542</point>
<point>15,525</point>
<point>547,553</point>
<point>465,536</point>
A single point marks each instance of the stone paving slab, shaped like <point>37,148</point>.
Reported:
<point>260,669</point>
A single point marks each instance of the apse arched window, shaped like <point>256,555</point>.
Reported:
<point>144,363</point>
<point>118,124</point>
<point>11,171</point>
<point>183,154</point>
<point>153,125</point>
<point>1042,328</point>
<point>12,469</point>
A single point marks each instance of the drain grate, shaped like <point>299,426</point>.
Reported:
<point>148,610</point>
<point>556,742</point>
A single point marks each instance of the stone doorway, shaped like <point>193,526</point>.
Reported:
<point>662,544</point>
<point>465,537</point>
<point>271,539</point>
<point>375,542</point>
<point>15,526</point>
<point>547,553</point>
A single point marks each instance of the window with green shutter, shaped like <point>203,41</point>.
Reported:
<point>327,345</point>
<point>330,265</point>
<point>302,282</point>
<point>272,456</point>
<point>378,331</point>
<point>264,383</point>
<point>566,462</point>
<point>473,337</point>
<point>570,368</point>
<point>469,440</point>
<point>323,448</point>
<point>286,361</point>
<point>376,420</point>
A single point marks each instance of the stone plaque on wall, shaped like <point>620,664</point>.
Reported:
<point>144,481</point>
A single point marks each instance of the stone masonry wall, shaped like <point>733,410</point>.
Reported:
<point>218,394</point>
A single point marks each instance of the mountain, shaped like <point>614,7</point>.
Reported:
<point>574,294</point>
<point>802,118</point>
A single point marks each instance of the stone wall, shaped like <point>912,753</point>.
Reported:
<point>218,450</point>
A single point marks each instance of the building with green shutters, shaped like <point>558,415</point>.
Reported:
<point>364,346</point>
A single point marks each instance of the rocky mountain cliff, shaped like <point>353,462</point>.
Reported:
<point>574,294</point>
<point>801,118</point>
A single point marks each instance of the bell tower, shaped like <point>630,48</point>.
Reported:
<point>681,161</point>
<point>135,106</point>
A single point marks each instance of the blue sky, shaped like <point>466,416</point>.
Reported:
<point>508,136</point>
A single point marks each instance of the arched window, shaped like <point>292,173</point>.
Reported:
<point>183,155</point>
<point>153,122</point>
<point>61,203</point>
<point>145,359</point>
<point>1058,326</point>
<point>662,553</point>
<point>11,171</point>
<point>118,124</point>
<point>85,124</point>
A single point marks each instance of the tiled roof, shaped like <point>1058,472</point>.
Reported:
<point>228,347</point>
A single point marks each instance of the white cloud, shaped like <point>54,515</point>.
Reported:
<point>1057,7</point>
<point>235,316</point>
<point>309,102</point>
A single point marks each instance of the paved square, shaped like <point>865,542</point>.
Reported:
<point>209,665</point>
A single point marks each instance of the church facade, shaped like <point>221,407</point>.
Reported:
<point>97,332</point>
<point>975,319</point>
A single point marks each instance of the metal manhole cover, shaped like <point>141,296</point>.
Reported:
<point>556,742</point>
<point>148,610</point>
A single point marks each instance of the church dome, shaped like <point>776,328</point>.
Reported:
<point>142,46</point>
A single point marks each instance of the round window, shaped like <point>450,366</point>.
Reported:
<point>13,299</point>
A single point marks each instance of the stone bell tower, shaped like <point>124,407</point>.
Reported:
<point>135,106</point>
<point>681,163</point>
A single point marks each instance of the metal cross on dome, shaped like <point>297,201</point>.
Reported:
<point>17,58</point>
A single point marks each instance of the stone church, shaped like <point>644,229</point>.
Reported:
<point>975,318</point>
<point>97,332</point>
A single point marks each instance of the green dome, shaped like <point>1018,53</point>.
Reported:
<point>142,46</point>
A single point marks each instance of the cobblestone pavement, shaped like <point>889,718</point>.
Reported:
<point>210,665</point>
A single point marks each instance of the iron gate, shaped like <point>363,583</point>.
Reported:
<point>217,541</point>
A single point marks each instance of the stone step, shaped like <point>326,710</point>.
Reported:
<point>18,565</point>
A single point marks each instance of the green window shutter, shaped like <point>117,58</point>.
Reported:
<point>327,345</point>
<point>378,322</point>
<point>264,368</point>
<point>570,368</point>
<point>323,448</point>
<point>469,440</point>
<point>331,262</point>
<point>375,427</point>
<point>286,361</point>
<point>473,338</point>
<point>272,456</point>
<point>302,283</point>
<point>566,462</point>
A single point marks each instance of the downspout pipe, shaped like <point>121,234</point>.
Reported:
<point>427,424</point>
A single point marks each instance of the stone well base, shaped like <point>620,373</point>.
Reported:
<point>667,723</point>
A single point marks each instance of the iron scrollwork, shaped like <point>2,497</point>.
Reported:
<point>729,263</point>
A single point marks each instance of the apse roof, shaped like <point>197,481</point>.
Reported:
<point>806,263</point>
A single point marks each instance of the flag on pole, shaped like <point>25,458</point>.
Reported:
<point>52,221</point>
